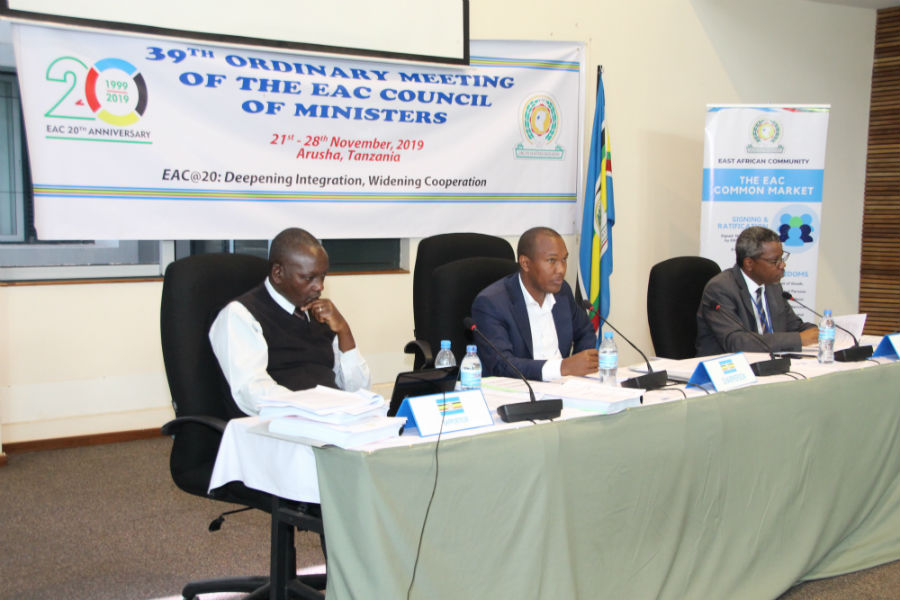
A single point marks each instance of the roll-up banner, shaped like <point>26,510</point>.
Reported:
<point>151,138</point>
<point>764,165</point>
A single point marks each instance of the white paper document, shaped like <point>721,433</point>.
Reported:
<point>325,404</point>
<point>350,435</point>
<point>852,323</point>
<point>589,395</point>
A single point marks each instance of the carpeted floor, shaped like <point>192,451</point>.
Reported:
<point>107,523</point>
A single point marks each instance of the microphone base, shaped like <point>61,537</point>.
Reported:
<point>853,354</point>
<point>774,366</point>
<point>649,381</point>
<point>538,410</point>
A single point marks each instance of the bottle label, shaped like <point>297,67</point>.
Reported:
<point>470,379</point>
<point>826,333</point>
<point>608,361</point>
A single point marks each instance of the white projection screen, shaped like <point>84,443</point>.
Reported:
<point>421,30</point>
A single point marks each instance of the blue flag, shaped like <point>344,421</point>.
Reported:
<point>595,258</point>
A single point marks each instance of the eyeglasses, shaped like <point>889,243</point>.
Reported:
<point>774,261</point>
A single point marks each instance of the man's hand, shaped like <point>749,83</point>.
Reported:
<point>809,336</point>
<point>323,310</point>
<point>580,364</point>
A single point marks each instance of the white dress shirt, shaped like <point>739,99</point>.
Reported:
<point>544,341</point>
<point>751,289</point>
<point>238,343</point>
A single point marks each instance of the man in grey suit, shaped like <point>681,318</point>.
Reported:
<point>750,294</point>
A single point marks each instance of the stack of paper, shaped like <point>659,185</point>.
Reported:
<point>331,416</point>
<point>590,395</point>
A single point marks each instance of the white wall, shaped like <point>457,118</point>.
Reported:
<point>73,361</point>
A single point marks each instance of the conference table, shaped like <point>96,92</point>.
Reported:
<point>737,494</point>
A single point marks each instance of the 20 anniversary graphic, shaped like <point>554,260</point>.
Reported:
<point>99,102</point>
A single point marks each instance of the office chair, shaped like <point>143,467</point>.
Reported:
<point>673,296</point>
<point>454,287</point>
<point>194,290</point>
<point>433,252</point>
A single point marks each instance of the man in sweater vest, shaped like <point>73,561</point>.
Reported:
<point>283,335</point>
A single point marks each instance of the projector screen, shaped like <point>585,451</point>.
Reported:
<point>423,30</point>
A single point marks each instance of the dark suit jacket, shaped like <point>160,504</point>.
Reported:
<point>718,334</point>
<point>499,310</point>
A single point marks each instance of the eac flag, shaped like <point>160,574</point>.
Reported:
<point>595,260</point>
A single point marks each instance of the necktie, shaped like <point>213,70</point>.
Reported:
<point>300,314</point>
<point>761,311</point>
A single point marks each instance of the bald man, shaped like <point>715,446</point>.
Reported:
<point>283,335</point>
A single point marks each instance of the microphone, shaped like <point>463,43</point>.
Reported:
<point>519,411</point>
<point>851,354</point>
<point>653,380</point>
<point>763,368</point>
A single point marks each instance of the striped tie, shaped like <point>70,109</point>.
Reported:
<point>761,311</point>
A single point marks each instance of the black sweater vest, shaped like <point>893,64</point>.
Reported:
<point>301,355</point>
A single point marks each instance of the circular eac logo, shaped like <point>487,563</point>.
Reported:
<point>115,91</point>
<point>540,120</point>
<point>766,131</point>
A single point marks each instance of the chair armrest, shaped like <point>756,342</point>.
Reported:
<point>422,351</point>
<point>214,423</point>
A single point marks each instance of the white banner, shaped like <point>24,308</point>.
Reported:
<point>764,165</point>
<point>134,138</point>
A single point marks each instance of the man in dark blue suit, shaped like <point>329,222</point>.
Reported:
<point>532,318</point>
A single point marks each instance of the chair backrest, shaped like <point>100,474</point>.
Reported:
<point>194,290</point>
<point>673,296</point>
<point>441,249</point>
<point>454,287</point>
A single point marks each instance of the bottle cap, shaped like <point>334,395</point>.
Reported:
<point>827,312</point>
<point>471,348</point>
<point>445,344</point>
<point>607,335</point>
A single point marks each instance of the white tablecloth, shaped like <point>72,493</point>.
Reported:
<point>287,468</point>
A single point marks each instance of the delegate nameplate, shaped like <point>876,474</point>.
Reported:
<point>724,372</point>
<point>443,413</point>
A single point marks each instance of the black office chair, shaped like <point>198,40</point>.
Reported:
<point>673,296</point>
<point>194,290</point>
<point>454,287</point>
<point>433,252</point>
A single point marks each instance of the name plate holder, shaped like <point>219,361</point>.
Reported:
<point>724,372</point>
<point>889,347</point>
<point>445,413</point>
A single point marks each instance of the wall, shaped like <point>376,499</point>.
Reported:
<point>72,361</point>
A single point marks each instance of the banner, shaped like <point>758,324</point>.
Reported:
<point>764,165</point>
<point>134,138</point>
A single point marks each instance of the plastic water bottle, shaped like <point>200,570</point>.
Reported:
<point>444,356</point>
<point>470,369</point>
<point>608,360</point>
<point>826,339</point>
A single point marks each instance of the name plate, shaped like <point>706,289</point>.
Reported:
<point>724,372</point>
<point>447,412</point>
<point>889,347</point>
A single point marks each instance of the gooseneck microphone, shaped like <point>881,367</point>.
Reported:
<point>653,380</point>
<point>851,354</point>
<point>762,368</point>
<point>519,411</point>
